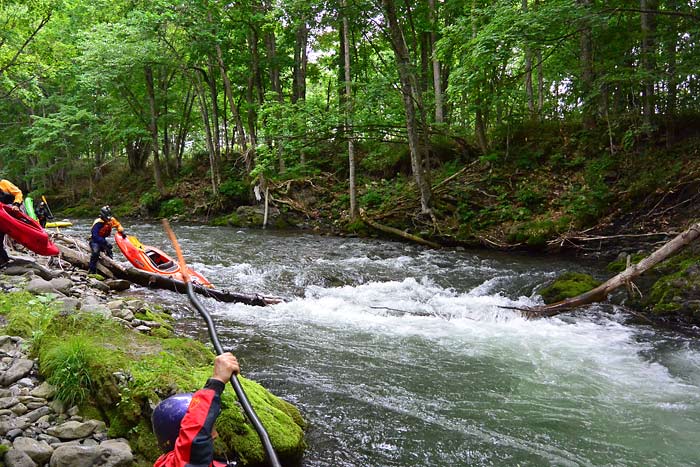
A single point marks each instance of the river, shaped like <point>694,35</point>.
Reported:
<point>403,356</point>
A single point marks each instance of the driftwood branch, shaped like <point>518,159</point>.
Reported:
<point>601,292</point>
<point>77,253</point>
<point>397,232</point>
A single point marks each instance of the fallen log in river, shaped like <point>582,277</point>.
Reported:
<point>77,253</point>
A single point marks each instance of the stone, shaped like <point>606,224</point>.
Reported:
<point>8,424</point>
<point>72,430</point>
<point>110,453</point>
<point>39,451</point>
<point>124,313</point>
<point>98,310</point>
<point>99,285</point>
<point>19,409</point>
<point>44,391</point>
<point>19,369</point>
<point>36,414</point>
<point>59,286</point>
<point>7,402</point>
<point>118,285</point>
<point>17,458</point>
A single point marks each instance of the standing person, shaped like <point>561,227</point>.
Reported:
<point>9,194</point>
<point>184,423</point>
<point>43,214</point>
<point>101,229</point>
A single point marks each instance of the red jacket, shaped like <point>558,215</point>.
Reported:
<point>195,446</point>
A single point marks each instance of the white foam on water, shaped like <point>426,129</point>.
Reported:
<point>598,356</point>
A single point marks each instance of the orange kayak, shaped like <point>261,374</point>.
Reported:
<point>153,260</point>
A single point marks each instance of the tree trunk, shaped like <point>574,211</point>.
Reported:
<point>671,79</point>
<point>410,94</point>
<point>648,27</point>
<point>528,72</point>
<point>348,113</point>
<point>203,109</point>
<point>601,292</point>
<point>77,253</point>
<point>586,61</point>
<point>228,90</point>
<point>276,84</point>
<point>437,83</point>
<point>153,127</point>
<point>301,59</point>
<point>210,79</point>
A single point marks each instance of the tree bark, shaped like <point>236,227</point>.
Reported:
<point>437,83</point>
<point>648,27</point>
<point>228,90</point>
<point>301,59</point>
<point>528,72</point>
<point>203,109</point>
<point>153,127</point>
<point>586,61</point>
<point>601,292</point>
<point>411,98</point>
<point>77,253</point>
<point>348,113</point>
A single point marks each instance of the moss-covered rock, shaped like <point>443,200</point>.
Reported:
<point>110,370</point>
<point>569,284</point>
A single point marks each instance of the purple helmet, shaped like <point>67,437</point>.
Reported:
<point>166,419</point>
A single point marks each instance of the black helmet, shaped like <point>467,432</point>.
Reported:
<point>42,204</point>
<point>105,213</point>
<point>166,419</point>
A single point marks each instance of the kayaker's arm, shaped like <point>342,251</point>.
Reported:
<point>117,225</point>
<point>9,187</point>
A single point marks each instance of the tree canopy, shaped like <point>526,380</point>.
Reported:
<point>259,88</point>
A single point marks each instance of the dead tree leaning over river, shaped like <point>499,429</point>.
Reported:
<point>601,292</point>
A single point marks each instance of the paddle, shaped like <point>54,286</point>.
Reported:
<point>247,408</point>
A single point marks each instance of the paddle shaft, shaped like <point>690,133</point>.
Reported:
<point>247,408</point>
<point>43,198</point>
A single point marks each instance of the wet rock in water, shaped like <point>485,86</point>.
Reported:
<point>110,453</point>
<point>118,285</point>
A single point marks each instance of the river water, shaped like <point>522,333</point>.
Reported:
<point>403,356</point>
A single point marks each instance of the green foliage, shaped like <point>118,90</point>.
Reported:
<point>27,315</point>
<point>235,190</point>
<point>171,208</point>
<point>70,365</point>
<point>535,233</point>
<point>150,200</point>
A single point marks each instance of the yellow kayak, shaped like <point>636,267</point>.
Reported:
<point>58,224</point>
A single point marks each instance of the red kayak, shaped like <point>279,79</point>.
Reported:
<point>26,231</point>
<point>153,260</point>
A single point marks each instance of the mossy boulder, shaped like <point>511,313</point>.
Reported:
<point>569,284</point>
<point>108,369</point>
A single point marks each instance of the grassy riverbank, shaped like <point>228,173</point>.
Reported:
<point>115,374</point>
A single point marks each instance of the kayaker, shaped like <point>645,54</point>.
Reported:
<point>184,423</point>
<point>101,229</point>
<point>9,194</point>
<point>43,214</point>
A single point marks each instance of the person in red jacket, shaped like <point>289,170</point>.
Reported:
<point>184,423</point>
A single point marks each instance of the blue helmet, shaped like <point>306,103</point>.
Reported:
<point>166,419</point>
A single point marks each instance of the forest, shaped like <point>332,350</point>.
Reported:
<point>499,123</point>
